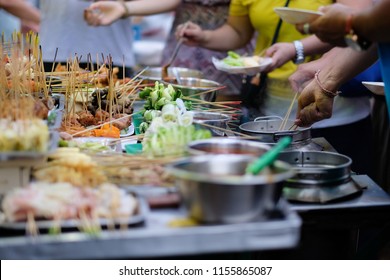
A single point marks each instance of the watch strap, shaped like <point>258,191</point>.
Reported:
<point>299,52</point>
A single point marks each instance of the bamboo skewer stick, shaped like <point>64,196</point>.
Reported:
<point>223,129</point>
<point>286,117</point>
<point>100,125</point>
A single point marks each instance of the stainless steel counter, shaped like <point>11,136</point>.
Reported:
<point>156,239</point>
<point>371,197</point>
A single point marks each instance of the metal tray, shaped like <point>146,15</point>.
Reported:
<point>156,239</point>
<point>73,224</point>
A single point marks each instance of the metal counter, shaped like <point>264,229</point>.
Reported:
<point>155,239</point>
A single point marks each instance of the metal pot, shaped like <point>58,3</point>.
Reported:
<point>266,130</point>
<point>215,188</point>
<point>223,145</point>
<point>320,176</point>
<point>153,74</point>
<point>193,86</point>
<point>217,120</point>
<point>318,167</point>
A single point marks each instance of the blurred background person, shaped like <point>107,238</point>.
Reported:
<point>248,17</point>
<point>207,13</point>
<point>63,28</point>
<point>18,15</point>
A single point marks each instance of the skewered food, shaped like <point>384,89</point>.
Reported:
<point>63,201</point>
<point>23,135</point>
<point>72,166</point>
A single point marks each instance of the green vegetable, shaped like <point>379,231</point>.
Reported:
<point>233,59</point>
<point>172,139</point>
<point>233,54</point>
<point>63,143</point>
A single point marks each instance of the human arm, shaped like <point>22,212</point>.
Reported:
<point>22,10</point>
<point>370,23</point>
<point>312,45</point>
<point>106,12</point>
<point>285,51</point>
<point>337,67</point>
<point>235,33</point>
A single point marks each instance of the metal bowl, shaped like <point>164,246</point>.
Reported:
<point>209,120</point>
<point>223,145</point>
<point>153,74</point>
<point>193,86</point>
<point>215,188</point>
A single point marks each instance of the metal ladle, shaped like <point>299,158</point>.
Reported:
<point>164,69</point>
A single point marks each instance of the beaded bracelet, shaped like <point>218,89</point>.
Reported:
<point>127,12</point>
<point>324,90</point>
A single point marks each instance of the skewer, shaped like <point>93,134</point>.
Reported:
<point>100,125</point>
<point>223,129</point>
<point>286,117</point>
<point>207,91</point>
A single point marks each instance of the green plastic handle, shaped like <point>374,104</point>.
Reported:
<point>269,157</point>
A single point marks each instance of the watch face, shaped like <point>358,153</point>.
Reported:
<point>356,43</point>
<point>351,41</point>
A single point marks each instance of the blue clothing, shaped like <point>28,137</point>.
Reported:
<point>384,54</point>
<point>355,88</point>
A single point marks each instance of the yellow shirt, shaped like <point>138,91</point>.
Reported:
<point>264,20</point>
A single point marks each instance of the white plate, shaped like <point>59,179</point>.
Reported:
<point>127,132</point>
<point>220,65</point>
<point>295,16</point>
<point>100,141</point>
<point>375,87</point>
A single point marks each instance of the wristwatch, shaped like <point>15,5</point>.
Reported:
<point>358,43</point>
<point>299,52</point>
<point>354,41</point>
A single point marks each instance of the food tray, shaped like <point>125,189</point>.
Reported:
<point>70,225</point>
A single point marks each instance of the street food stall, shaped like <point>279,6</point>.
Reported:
<point>90,175</point>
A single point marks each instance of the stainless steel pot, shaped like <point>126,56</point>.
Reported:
<point>153,74</point>
<point>320,176</point>
<point>211,121</point>
<point>266,130</point>
<point>318,167</point>
<point>193,86</point>
<point>223,145</point>
<point>215,190</point>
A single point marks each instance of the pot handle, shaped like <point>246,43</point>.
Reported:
<point>291,133</point>
<point>265,118</point>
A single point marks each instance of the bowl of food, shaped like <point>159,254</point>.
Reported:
<point>223,145</point>
<point>215,188</point>
<point>217,123</point>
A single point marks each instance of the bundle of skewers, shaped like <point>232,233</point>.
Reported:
<point>93,109</point>
<point>24,98</point>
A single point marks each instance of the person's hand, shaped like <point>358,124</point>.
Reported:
<point>191,33</point>
<point>302,76</point>
<point>313,105</point>
<point>280,54</point>
<point>331,27</point>
<point>103,13</point>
